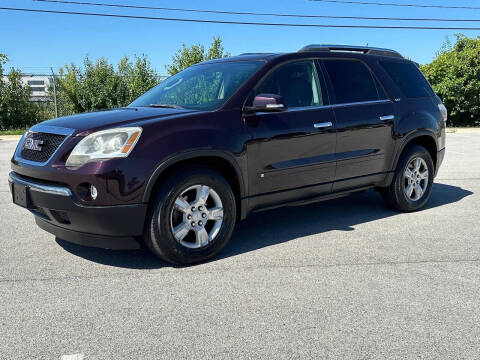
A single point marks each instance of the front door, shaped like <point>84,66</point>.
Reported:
<point>292,153</point>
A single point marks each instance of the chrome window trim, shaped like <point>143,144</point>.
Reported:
<point>40,128</point>
<point>333,106</point>
<point>32,185</point>
<point>371,102</point>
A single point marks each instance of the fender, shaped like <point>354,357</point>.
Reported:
<point>191,154</point>
<point>404,142</point>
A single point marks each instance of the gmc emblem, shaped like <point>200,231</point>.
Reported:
<point>32,144</point>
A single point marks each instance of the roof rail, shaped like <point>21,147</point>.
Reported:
<point>350,48</point>
<point>253,53</point>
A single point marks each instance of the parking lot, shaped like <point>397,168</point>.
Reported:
<point>346,278</point>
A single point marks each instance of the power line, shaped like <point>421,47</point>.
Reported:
<point>29,74</point>
<point>401,5</point>
<point>251,13</point>
<point>238,22</point>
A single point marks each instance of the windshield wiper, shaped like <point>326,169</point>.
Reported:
<point>171,106</point>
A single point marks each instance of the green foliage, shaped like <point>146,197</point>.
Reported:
<point>93,86</point>
<point>455,77</point>
<point>16,110</point>
<point>188,56</point>
<point>12,132</point>
<point>98,85</point>
<point>137,77</point>
<point>3,61</point>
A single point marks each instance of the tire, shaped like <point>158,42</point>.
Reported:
<point>169,213</point>
<point>397,194</point>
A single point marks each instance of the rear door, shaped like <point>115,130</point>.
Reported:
<point>294,149</point>
<point>364,117</point>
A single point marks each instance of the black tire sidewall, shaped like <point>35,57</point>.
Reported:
<point>163,243</point>
<point>403,202</point>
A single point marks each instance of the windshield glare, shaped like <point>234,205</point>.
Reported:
<point>201,87</point>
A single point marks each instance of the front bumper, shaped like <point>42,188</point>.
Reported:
<point>57,211</point>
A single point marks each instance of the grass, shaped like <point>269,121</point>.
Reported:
<point>12,132</point>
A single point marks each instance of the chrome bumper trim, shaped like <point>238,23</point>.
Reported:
<point>49,189</point>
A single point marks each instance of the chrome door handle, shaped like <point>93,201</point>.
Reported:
<point>387,117</point>
<point>322,125</point>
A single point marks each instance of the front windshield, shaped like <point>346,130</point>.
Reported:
<point>201,87</point>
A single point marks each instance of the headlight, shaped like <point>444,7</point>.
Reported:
<point>106,144</point>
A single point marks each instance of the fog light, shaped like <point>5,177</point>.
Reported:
<point>93,192</point>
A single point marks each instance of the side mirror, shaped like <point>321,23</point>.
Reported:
<point>267,103</point>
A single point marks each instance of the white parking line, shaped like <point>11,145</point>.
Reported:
<point>73,357</point>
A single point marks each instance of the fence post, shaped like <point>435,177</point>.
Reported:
<point>54,92</point>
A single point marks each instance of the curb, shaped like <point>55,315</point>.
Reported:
<point>463,130</point>
<point>10,137</point>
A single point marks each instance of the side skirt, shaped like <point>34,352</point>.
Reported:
<point>315,198</point>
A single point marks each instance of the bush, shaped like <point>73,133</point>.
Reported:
<point>98,85</point>
<point>16,110</point>
<point>455,77</point>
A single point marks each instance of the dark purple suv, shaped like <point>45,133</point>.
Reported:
<point>177,168</point>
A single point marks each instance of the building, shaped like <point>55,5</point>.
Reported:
<point>40,85</point>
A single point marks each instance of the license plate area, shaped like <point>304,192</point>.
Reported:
<point>20,195</point>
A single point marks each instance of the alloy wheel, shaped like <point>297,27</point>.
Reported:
<point>196,216</point>
<point>415,179</point>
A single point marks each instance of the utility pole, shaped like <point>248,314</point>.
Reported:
<point>54,93</point>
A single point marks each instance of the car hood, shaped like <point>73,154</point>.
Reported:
<point>88,122</point>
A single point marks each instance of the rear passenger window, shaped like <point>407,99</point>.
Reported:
<point>408,78</point>
<point>351,80</point>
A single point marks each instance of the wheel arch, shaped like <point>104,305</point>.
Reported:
<point>425,138</point>
<point>221,161</point>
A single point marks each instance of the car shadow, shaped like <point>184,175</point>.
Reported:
<point>273,227</point>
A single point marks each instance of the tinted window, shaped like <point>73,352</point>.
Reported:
<point>408,78</point>
<point>36,82</point>
<point>204,86</point>
<point>296,82</point>
<point>351,81</point>
<point>381,93</point>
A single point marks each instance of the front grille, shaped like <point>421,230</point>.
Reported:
<point>50,143</point>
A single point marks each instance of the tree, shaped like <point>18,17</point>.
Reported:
<point>455,77</point>
<point>138,77</point>
<point>188,56</point>
<point>16,110</point>
<point>94,87</point>
<point>98,85</point>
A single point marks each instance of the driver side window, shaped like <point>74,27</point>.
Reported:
<point>296,82</point>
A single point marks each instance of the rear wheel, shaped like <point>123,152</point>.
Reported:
<point>411,186</point>
<point>192,216</point>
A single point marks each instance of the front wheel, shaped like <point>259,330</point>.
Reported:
<point>411,186</point>
<point>192,216</point>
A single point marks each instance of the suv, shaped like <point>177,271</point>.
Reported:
<point>177,168</point>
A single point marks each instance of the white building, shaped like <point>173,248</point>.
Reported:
<point>39,84</point>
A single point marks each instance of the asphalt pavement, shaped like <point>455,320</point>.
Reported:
<point>345,278</point>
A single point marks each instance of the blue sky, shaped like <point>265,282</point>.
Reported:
<point>34,42</point>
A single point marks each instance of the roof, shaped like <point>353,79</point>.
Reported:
<point>245,57</point>
<point>352,49</point>
<point>364,50</point>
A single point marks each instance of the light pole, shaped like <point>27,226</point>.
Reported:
<point>54,93</point>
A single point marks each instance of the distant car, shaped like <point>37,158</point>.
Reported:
<point>177,168</point>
